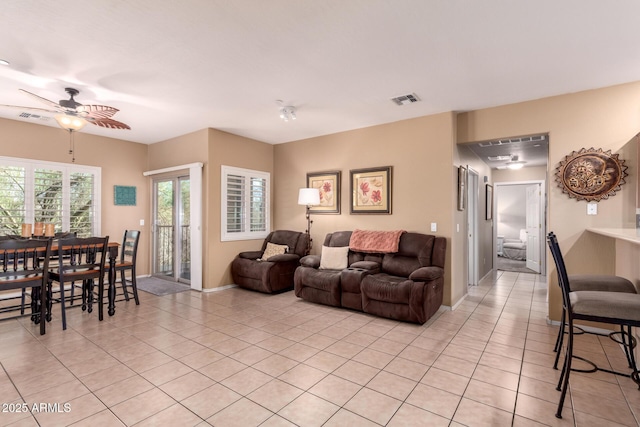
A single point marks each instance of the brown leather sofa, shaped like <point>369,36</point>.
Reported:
<point>406,285</point>
<point>276,273</point>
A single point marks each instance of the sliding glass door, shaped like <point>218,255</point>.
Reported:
<point>171,229</point>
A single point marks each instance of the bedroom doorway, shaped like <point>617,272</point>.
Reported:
<point>519,225</point>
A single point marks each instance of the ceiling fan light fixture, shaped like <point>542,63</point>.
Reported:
<point>515,164</point>
<point>70,123</point>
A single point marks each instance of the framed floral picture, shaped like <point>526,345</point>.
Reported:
<point>329,185</point>
<point>371,190</point>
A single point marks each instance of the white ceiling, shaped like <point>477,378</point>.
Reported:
<point>174,67</point>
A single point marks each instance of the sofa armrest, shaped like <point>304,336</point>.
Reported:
<point>426,274</point>
<point>250,254</point>
<point>366,265</point>
<point>284,258</point>
<point>312,261</point>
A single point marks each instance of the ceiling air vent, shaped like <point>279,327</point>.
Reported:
<point>499,142</point>
<point>406,99</point>
<point>493,143</point>
<point>25,115</point>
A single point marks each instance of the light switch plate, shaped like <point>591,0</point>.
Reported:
<point>592,209</point>
<point>434,227</point>
<point>142,222</point>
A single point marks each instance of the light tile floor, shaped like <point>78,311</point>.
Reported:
<point>239,358</point>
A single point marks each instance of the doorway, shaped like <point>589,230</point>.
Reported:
<point>171,229</point>
<point>520,226</point>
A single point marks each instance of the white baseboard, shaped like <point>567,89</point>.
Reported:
<point>220,288</point>
<point>459,302</point>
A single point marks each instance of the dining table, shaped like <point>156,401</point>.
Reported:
<point>112,253</point>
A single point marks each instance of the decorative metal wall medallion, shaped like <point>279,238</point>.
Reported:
<point>591,175</point>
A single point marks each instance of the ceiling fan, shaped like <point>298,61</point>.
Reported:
<point>72,115</point>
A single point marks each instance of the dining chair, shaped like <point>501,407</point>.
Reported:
<point>127,262</point>
<point>591,282</point>
<point>79,260</point>
<point>614,308</point>
<point>23,293</point>
<point>25,264</point>
<point>54,259</point>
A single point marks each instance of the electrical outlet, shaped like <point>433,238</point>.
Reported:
<point>592,209</point>
<point>434,227</point>
<point>142,222</point>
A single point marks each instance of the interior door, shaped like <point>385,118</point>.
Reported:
<point>533,226</point>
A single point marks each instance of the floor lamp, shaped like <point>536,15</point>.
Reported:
<point>309,197</point>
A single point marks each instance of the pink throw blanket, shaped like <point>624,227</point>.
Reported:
<point>375,241</point>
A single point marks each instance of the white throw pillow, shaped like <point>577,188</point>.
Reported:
<point>272,249</point>
<point>334,258</point>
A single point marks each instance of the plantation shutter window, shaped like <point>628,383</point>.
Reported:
<point>245,204</point>
<point>67,196</point>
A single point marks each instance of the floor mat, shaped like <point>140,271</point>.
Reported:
<point>161,287</point>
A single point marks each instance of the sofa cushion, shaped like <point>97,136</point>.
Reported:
<point>312,261</point>
<point>425,274</point>
<point>414,251</point>
<point>383,287</point>
<point>335,258</point>
<point>296,241</point>
<point>272,250</point>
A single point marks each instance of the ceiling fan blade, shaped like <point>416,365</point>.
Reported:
<point>51,104</point>
<point>107,123</point>
<point>19,107</point>
<point>96,111</point>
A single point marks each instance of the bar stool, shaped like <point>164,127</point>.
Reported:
<point>615,308</point>
<point>590,282</point>
<point>127,262</point>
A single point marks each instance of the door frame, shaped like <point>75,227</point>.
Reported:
<point>177,223</point>
<point>194,171</point>
<point>543,217</point>
<point>473,185</point>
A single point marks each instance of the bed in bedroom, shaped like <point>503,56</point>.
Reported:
<point>516,248</point>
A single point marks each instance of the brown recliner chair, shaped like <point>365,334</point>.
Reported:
<point>274,274</point>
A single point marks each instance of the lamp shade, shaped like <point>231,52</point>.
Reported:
<point>68,122</point>
<point>309,196</point>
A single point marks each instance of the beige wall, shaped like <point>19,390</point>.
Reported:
<point>214,148</point>
<point>421,153</point>
<point>122,163</point>
<point>190,148</point>
<point>485,228</point>
<point>230,150</point>
<point>534,173</point>
<point>606,118</point>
